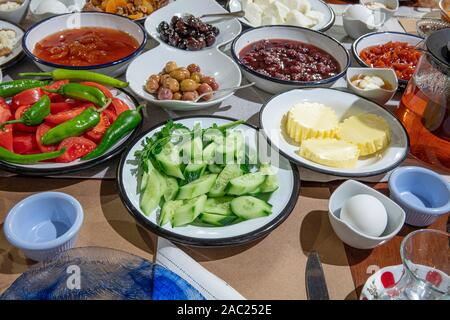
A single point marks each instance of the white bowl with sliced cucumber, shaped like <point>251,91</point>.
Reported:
<point>207,181</point>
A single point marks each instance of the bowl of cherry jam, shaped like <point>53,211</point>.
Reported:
<point>281,58</point>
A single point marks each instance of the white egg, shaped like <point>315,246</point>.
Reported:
<point>51,6</point>
<point>366,214</point>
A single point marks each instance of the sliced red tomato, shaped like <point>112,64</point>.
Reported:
<point>26,98</point>
<point>119,106</point>
<point>96,134</point>
<point>105,90</point>
<point>6,137</point>
<point>41,130</point>
<point>110,114</point>
<point>25,143</point>
<point>5,111</point>
<point>55,97</point>
<point>65,115</point>
<point>20,126</point>
<point>76,147</point>
<point>56,107</point>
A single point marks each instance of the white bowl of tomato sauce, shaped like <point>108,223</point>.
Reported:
<point>281,58</point>
<point>94,41</point>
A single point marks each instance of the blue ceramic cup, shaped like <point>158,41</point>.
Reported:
<point>422,193</point>
<point>44,224</point>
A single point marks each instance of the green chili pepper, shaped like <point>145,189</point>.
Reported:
<point>79,75</point>
<point>9,156</point>
<point>86,120</point>
<point>82,92</point>
<point>125,123</point>
<point>11,88</point>
<point>34,115</point>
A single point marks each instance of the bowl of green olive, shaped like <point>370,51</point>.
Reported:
<point>186,81</point>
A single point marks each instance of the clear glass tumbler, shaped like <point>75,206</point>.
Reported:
<point>426,267</point>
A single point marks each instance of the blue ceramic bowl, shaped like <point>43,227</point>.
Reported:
<point>43,225</point>
<point>422,193</point>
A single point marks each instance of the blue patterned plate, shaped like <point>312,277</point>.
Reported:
<point>97,273</point>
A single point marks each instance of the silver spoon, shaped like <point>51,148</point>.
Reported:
<point>223,90</point>
<point>236,14</point>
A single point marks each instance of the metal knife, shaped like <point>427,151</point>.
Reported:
<point>316,286</point>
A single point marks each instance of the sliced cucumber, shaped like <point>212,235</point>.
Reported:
<point>170,161</point>
<point>189,211</point>
<point>198,187</point>
<point>214,168</point>
<point>171,188</point>
<point>239,145</point>
<point>212,135</point>
<point>248,207</point>
<point>153,192</point>
<point>248,183</point>
<point>225,152</point>
<point>209,152</point>
<point>192,150</point>
<point>216,219</point>
<point>168,211</point>
<point>219,206</point>
<point>194,171</point>
<point>180,136</point>
<point>230,171</point>
<point>144,178</point>
<point>270,184</point>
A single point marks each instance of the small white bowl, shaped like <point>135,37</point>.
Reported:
<point>72,6</point>
<point>381,96</point>
<point>316,38</point>
<point>84,19</point>
<point>212,63</point>
<point>391,6</point>
<point>15,16</point>
<point>382,37</point>
<point>359,20</point>
<point>351,236</point>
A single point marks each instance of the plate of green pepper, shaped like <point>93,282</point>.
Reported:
<point>64,121</point>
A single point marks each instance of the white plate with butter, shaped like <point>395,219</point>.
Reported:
<point>313,14</point>
<point>345,105</point>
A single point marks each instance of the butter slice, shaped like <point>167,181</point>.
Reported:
<point>330,152</point>
<point>311,120</point>
<point>369,132</point>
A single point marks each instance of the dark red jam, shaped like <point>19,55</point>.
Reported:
<point>289,60</point>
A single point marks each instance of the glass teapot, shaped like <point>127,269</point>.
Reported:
<point>425,105</point>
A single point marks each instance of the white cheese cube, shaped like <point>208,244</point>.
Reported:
<point>300,5</point>
<point>253,13</point>
<point>296,18</point>
<point>316,16</point>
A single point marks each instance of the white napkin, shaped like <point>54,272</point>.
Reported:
<point>210,286</point>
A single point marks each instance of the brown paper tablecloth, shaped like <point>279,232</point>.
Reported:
<point>271,268</point>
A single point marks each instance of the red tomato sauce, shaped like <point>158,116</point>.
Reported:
<point>86,46</point>
<point>400,56</point>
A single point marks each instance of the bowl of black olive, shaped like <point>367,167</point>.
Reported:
<point>179,25</point>
<point>188,33</point>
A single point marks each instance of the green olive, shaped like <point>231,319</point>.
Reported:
<point>196,76</point>
<point>170,66</point>
<point>180,74</point>
<point>188,85</point>
<point>172,84</point>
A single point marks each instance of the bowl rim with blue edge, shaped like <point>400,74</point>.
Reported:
<point>41,23</point>
<point>15,212</point>
<point>410,205</point>
<point>235,56</point>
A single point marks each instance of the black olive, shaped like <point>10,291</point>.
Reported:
<point>210,40</point>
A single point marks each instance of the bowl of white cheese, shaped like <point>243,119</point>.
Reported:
<point>312,14</point>
<point>13,10</point>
